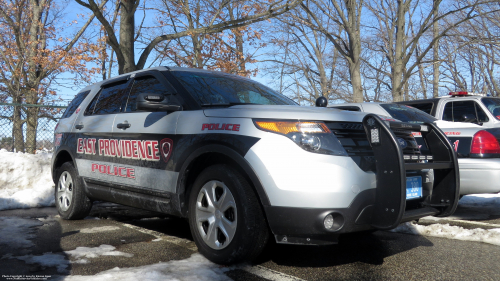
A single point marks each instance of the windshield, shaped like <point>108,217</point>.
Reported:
<point>219,89</point>
<point>406,113</point>
<point>493,105</point>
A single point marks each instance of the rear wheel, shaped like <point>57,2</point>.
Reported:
<point>225,217</point>
<point>71,201</point>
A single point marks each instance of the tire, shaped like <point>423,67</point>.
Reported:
<point>225,216</point>
<point>71,201</point>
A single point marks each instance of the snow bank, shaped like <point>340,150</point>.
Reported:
<point>195,268</point>
<point>25,180</point>
<point>490,236</point>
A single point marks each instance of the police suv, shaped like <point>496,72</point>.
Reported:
<point>244,163</point>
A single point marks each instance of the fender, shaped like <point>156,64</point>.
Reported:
<point>228,152</point>
<point>56,159</point>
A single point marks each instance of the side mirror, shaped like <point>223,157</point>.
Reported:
<point>468,118</point>
<point>156,102</point>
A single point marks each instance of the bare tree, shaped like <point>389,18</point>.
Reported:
<point>124,44</point>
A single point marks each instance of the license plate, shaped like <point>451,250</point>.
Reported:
<point>413,187</point>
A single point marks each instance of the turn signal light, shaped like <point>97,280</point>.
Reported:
<point>484,143</point>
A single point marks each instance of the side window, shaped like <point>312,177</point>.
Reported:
<point>425,107</point>
<point>462,108</point>
<point>481,116</point>
<point>146,84</point>
<point>109,100</point>
<point>75,103</point>
<point>448,112</point>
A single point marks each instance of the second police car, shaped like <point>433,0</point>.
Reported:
<point>243,163</point>
<point>477,147</point>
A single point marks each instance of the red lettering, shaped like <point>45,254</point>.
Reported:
<point>94,167</point>
<point>236,127</point>
<point>204,126</point>
<point>130,173</point>
<point>134,149</point>
<point>120,169</point>
<point>154,145</point>
<point>106,148</point>
<point>142,150</point>
<point>89,147</point>
<point>212,126</point>
<point>221,126</point>
<point>79,146</point>
<point>111,173</point>
<point>101,147</point>
<point>93,146</point>
<point>127,153</point>
<point>102,169</point>
<point>228,127</point>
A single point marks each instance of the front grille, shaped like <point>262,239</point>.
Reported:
<point>353,138</point>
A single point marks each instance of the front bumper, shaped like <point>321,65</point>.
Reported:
<point>479,175</point>
<point>378,203</point>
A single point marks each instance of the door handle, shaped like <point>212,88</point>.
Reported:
<point>123,125</point>
<point>79,126</point>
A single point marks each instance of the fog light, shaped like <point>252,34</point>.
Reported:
<point>375,135</point>
<point>328,222</point>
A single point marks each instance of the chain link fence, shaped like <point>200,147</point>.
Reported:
<point>28,127</point>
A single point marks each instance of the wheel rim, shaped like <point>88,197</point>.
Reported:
<point>216,216</point>
<point>65,191</point>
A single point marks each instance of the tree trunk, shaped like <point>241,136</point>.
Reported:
<point>435,81</point>
<point>31,128</point>
<point>127,32</point>
<point>355,46</point>
<point>397,69</point>
<point>17,127</point>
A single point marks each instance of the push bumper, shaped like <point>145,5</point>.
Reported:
<point>386,206</point>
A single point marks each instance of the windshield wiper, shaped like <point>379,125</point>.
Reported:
<point>225,104</point>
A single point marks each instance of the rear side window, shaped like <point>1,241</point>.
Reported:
<point>147,84</point>
<point>458,110</point>
<point>75,103</point>
<point>425,107</point>
<point>109,100</point>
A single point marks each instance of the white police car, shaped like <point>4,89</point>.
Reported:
<point>241,162</point>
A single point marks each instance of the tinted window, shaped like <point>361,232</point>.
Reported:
<point>208,88</point>
<point>145,84</point>
<point>407,113</point>
<point>457,111</point>
<point>493,105</point>
<point>425,107</point>
<point>75,103</point>
<point>109,100</point>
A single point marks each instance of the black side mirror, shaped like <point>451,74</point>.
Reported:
<point>157,102</point>
<point>321,102</point>
<point>468,118</point>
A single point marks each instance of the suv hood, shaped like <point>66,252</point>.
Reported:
<point>285,112</point>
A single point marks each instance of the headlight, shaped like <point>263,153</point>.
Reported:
<point>312,136</point>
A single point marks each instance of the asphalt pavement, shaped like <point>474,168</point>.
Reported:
<point>153,238</point>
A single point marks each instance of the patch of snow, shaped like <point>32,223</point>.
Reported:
<point>99,229</point>
<point>80,253</point>
<point>490,236</point>
<point>25,180</point>
<point>47,259</point>
<point>16,232</point>
<point>156,240</point>
<point>195,268</point>
<point>483,200</point>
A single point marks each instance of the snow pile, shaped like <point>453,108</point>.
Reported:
<point>16,232</point>
<point>491,236</point>
<point>25,180</point>
<point>48,260</point>
<point>195,268</point>
<point>484,200</point>
<point>80,253</point>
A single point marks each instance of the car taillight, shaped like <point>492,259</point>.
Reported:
<point>484,143</point>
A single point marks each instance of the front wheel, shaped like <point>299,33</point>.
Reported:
<point>71,201</point>
<point>225,217</point>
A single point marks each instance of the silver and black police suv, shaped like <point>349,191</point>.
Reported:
<point>243,163</point>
